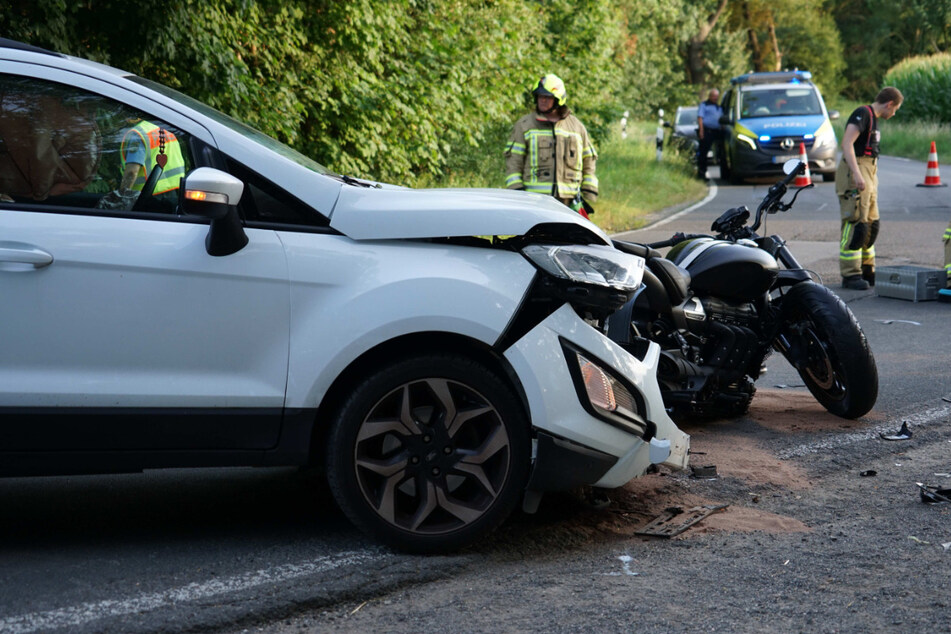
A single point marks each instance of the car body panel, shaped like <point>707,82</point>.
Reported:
<point>375,214</point>
<point>348,298</point>
<point>136,314</point>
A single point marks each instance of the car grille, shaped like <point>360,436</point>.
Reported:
<point>775,144</point>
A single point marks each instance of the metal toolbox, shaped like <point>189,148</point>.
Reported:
<point>916,283</point>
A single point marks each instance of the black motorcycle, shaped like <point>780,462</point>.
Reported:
<point>718,305</point>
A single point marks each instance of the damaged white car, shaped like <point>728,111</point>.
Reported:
<point>180,290</point>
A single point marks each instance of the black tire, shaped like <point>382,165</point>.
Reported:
<point>827,347</point>
<point>429,453</point>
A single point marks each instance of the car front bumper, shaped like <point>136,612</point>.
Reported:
<point>572,444</point>
<point>767,162</point>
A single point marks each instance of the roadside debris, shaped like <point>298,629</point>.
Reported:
<point>888,322</point>
<point>784,386</point>
<point>664,526</point>
<point>903,434</point>
<point>705,472</point>
<point>920,541</point>
<point>868,473</point>
<point>946,545</point>
<point>932,494</point>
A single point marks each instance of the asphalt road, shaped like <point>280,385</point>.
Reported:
<point>806,544</point>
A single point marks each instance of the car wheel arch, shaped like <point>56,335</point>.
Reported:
<point>410,345</point>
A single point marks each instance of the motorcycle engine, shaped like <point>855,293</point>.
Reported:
<point>728,313</point>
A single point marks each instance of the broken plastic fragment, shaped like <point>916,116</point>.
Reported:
<point>708,472</point>
<point>903,434</point>
<point>915,539</point>
<point>897,321</point>
<point>933,495</point>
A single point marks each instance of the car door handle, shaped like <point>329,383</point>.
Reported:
<point>17,256</point>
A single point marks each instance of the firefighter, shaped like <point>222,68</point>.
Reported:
<point>549,151</point>
<point>856,185</point>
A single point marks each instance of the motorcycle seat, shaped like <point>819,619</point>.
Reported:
<point>675,279</point>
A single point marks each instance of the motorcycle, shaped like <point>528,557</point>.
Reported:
<point>720,304</point>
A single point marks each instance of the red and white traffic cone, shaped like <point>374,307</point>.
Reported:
<point>932,178</point>
<point>803,179</point>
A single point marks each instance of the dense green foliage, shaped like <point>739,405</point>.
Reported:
<point>424,90</point>
<point>879,33</point>
<point>925,83</point>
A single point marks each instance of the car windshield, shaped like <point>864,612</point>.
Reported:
<point>686,116</point>
<point>235,125</point>
<point>779,102</point>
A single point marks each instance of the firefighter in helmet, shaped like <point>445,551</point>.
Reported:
<point>550,152</point>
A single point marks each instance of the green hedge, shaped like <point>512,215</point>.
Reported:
<point>925,81</point>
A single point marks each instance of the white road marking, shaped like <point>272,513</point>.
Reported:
<point>922,418</point>
<point>711,194</point>
<point>79,615</point>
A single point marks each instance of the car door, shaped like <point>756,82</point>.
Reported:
<point>117,329</point>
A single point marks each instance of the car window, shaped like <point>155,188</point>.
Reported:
<point>61,146</point>
<point>687,116</point>
<point>779,102</point>
<point>263,203</point>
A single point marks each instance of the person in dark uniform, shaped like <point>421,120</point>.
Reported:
<point>708,129</point>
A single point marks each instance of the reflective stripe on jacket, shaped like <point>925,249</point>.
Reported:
<point>541,154</point>
<point>149,135</point>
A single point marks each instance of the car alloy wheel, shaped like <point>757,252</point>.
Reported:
<point>429,453</point>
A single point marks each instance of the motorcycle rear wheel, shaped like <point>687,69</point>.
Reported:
<point>827,347</point>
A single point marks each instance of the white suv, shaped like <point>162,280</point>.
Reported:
<point>242,305</point>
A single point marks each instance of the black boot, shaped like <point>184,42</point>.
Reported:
<point>868,274</point>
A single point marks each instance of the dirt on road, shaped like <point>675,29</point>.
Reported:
<point>807,542</point>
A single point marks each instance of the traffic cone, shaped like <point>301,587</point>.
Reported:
<point>803,179</point>
<point>932,179</point>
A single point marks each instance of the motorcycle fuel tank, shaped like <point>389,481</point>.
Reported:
<point>726,269</point>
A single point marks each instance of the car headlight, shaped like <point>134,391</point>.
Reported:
<point>825,136</point>
<point>747,139</point>
<point>605,395</point>
<point>588,264</point>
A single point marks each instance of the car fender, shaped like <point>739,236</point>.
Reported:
<point>348,298</point>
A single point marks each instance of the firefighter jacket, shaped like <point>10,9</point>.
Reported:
<point>551,158</point>
<point>142,144</point>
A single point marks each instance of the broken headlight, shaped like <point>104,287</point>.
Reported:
<point>598,277</point>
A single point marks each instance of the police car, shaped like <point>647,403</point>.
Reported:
<point>768,118</point>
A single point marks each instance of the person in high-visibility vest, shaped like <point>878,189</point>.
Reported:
<point>144,146</point>
<point>549,151</point>
<point>947,256</point>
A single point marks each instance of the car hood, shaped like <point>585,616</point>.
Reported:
<point>784,126</point>
<point>384,213</point>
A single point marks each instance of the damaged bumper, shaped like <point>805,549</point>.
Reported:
<point>584,435</point>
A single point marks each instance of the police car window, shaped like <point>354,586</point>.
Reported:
<point>63,147</point>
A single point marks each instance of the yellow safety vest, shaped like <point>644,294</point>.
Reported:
<point>150,136</point>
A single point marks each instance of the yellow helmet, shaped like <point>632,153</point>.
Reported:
<point>551,86</point>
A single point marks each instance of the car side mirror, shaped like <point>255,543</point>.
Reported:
<point>215,195</point>
<point>833,115</point>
